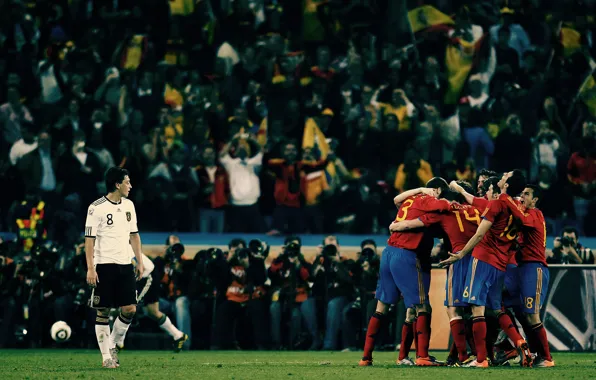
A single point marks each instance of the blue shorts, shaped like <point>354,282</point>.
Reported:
<point>512,292</point>
<point>455,283</point>
<point>484,285</point>
<point>400,275</point>
<point>533,283</point>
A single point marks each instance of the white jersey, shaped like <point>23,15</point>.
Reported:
<point>148,265</point>
<point>111,224</point>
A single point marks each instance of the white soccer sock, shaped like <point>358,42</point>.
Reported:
<point>121,325</point>
<point>166,325</point>
<point>102,332</point>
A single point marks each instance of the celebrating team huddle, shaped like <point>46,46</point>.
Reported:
<point>497,269</point>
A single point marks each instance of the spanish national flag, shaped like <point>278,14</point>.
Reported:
<point>459,60</point>
<point>570,40</point>
<point>587,93</point>
<point>427,16</point>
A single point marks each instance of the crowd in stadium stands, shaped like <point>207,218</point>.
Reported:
<point>290,116</point>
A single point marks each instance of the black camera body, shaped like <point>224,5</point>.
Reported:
<point>174,252</point>
<point>292,249</point>
<point>259,248</point>
<point>567,242</point>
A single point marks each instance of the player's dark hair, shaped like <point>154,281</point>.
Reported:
<point>292,238</point>
<point>570,230</point>
<point>492,181</point>
<point>517,183</point>
<point>536,192</point>
<point>453,196</point>
<point>467,186</point>
<point>367,242</point>
<point>114,176</point>
<point>437,183</point>
<point>487,173</point>
<point>236,242</point>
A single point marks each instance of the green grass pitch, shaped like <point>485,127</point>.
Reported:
<point>85,364</point>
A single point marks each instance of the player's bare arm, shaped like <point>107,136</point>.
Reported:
<point>405,225</point>
<point>135,242</point>
<point>456,187</point>
<point>92,278</point>
<point>400,198</point>
<point>483,228</point>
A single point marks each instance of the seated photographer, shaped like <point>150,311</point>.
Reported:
<point>289,274</point>
<point>174,272</point>
<point>366,274</point>
<point>242,299</point>
<point>334,286</point>
<point>8,286</point>
<point>206,291</point>
<point>234,245</point>
<point>568,250</point>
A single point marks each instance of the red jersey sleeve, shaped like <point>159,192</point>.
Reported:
<point>527,219</point>
<point>428,203</point>
<point>431,218</point>
<point>480,203</point>
<point>494,208</point>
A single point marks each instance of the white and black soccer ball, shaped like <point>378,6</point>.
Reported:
<point>60,331</point>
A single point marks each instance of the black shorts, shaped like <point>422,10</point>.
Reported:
<point>116,286</point>
<point>148,290</point>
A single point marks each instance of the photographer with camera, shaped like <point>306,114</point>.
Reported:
<point>243,296</point>
<point>366,274</point>
<point>206,291</point>
<point>8,285</point>
<point>333,287</point>
<point>175,272</point>
<point>567,250</point>
<point>289,273</point>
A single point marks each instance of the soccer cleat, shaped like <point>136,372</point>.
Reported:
<point>450,361</point>
<point>428,361</point>
<point>114,353</point>
<point>524,353</point>
<point>365,362</point>
<point>404,361</point>
<point>179,343</point>
<point>543,363</point>
<point>469,360</point>
<point>109,363</point>
<point>474,364</point>
<point>503,357</point>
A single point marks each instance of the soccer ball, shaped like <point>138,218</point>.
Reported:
<point>60,331</point>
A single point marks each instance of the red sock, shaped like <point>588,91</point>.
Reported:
<point>415,336</point>
<point>423,334</point>
<point>374,326</point>
<point>479,330</point>
<point>470,336</point>
<point>458,331</point>
<point>507,326</point>
<point>540,334</point>
<point>407,336</point>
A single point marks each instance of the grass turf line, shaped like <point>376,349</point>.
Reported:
<point>86,364</point>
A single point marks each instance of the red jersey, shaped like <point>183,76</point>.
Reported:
<point>413,208</point>
<point>533,243</point>
<point>480,203</point>
<point>495,247</point>
<point>460,224</point>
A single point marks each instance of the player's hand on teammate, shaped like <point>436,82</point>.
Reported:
<point>453,257</point>
<point>92,278</point>
<point>393,227</point>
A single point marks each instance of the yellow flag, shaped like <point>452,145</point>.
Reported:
<point>315,138</point>
<point>459,58</point>
<point>571,41</point>
<point>587,93</point>
<point>426,16</point>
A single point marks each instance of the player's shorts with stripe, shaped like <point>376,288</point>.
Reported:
<point>533,282</point>
<point>148,290</point>
<point>401,275</point>
<point>116,286</point>
<point>455,283</point>
<point>484,285</point>
<point>511,291</point>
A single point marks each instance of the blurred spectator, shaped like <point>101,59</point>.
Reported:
<point>582,175</point>
<point>38,168</point>
<point>12,116</point>
<point>289,273</point>
<point>557,202</point>
<point>413,172</point>
<point>214,194</point>
<point>547,149</point>
<point>25,145</point>
<point>245,190</point>
<point>512,148</point>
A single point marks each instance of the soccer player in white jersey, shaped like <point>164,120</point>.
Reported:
<point>148,296</point>
<point>111,227</point>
